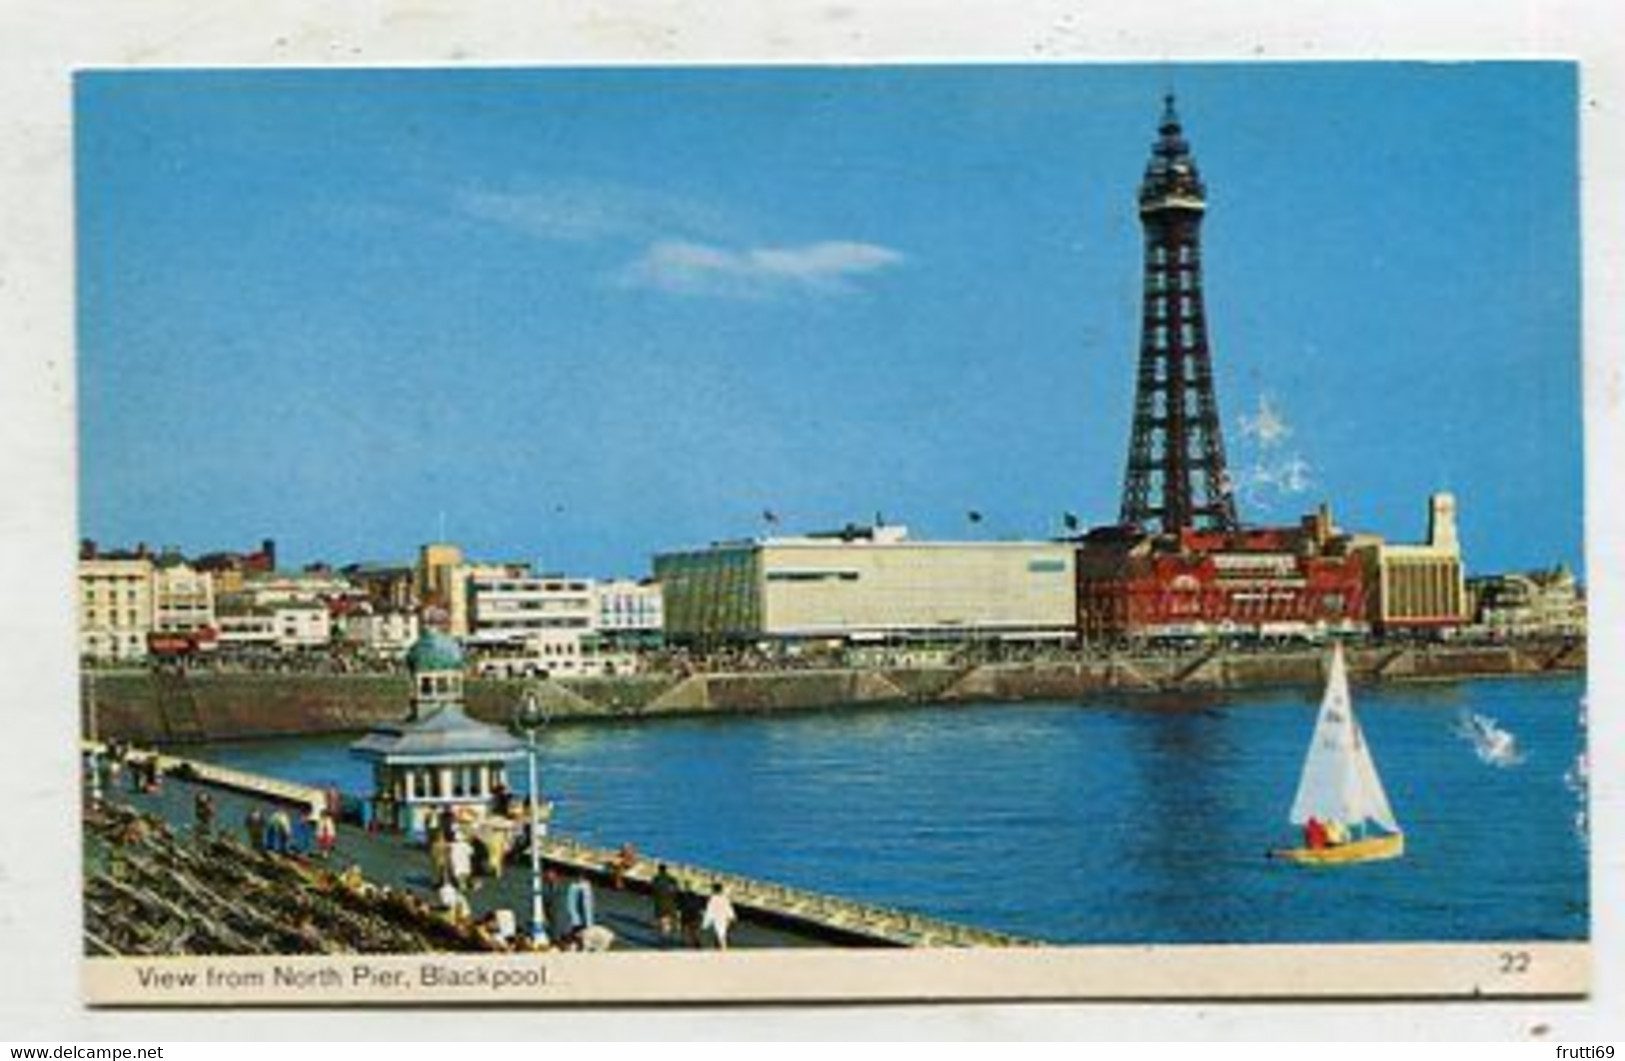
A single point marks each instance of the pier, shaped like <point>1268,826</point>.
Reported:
<point>771,915</point>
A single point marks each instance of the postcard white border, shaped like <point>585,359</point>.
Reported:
<point>41,44</point>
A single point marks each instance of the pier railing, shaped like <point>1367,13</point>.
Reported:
<point>827,915</point>
<point>270,788</point>
<point>817,914</point>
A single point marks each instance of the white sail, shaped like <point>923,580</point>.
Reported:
<point>1340,781</point>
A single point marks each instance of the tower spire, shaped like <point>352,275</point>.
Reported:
<point>1176,476</point>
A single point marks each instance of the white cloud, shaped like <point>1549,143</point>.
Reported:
<point>685,267</point>
<point>578,212</point>
<point>689,247</point>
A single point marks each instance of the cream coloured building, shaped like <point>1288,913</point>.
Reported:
<point>1530,604</point>
<point>183,598</point>
<point>507,607</point>
<point>869,584</point>
<point>1419,586</point>
<point>436,564</point>
<point>463,582</point>
<point>116,608</point>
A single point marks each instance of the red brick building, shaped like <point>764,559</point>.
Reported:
<point>1299,581</point>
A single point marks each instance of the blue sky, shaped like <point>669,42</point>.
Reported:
<point>585,315</point>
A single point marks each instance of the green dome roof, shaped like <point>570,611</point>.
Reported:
<point>434,651</point>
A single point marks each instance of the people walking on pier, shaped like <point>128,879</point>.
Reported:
<point>151,776</point>
<point>582,909</point>
<point>453,902</point>
<point>461,855</point>
<point>623,862</point>
<point>439,857</point>
<point>278,832</point>
<point>719,916</point>
<point>556,902</point>
<point>254,827</point>
<point>327,835</point>
<point>304,833</point>
<point>496,852</point>
<point>504,924</point>
<point>203,814</point>
<point>664,891</point>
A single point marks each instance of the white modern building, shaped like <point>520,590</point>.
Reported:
<point>302,626</point>
<point>510,609</point>
<point>869,584</point>
<point>629,613</point>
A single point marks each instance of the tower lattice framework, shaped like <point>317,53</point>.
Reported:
<point>1176,475</point>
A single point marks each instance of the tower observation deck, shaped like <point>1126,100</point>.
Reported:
<point>1176,476</point>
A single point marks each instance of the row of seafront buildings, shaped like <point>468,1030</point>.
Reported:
<point>875,585</point>
<point>856,588</point>
<point>139,604</point>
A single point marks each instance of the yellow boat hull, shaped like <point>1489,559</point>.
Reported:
<point>1374,849</point>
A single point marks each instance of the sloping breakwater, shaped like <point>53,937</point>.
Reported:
<point>169,707</point>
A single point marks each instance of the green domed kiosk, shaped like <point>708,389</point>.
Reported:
<point>437,760</point>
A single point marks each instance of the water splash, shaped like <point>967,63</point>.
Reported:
<point>1494,745</point>
<point>1577,780</point>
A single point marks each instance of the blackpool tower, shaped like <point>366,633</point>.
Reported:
<point>1176,477</point>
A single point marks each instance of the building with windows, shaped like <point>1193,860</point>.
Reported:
<point>434,573</point>
<point>183,597</point>
<point>488,601</point>
<point>388,587</point>
<point>868,584</point>
<point>629,614</point>
<point>1529,604</point>
<point>116,607</point>
<point>274,588</point>
<point>1299,582</point>
<point>246,630</point>
<point>384,633</point>
<point>1418,587</point>
<point>509,607</point>
<point>301,625</point>
<point>230,570</point>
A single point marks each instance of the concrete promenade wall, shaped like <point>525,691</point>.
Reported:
<point>146,707</point>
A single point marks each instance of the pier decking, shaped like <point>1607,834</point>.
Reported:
<point>771,915</point>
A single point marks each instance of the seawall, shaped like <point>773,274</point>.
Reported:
<point>161,707</point>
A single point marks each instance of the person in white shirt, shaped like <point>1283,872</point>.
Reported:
<point>507,925</point>
<point>719,916</point>
<point>462,862</point>
<point>453,902</point>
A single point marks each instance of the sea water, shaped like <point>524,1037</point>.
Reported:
<point>1120,820</point>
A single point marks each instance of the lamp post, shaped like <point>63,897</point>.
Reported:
<point>530,717</point>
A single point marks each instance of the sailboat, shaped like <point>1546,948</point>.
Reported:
<point>1340,786</point>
